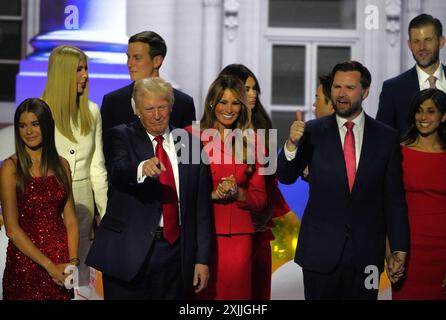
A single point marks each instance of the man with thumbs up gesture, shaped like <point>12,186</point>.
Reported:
<point>356,195</point>
<point>296,132</point>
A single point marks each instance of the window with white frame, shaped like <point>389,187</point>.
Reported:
<point>12,45</point>
<point>303,40</point>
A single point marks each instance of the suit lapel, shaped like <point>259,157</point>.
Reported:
<point>183,172</point>
<point>412,81</point>
<point>129,89</point>
<point>334,151</point>
<point>366,157</point>
<point>143,145</point>
<point>128,93</point>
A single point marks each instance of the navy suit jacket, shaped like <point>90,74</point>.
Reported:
<point>395,99</point>
<point>117,109</point>
<point>375,208</point>
<point>133,213</point>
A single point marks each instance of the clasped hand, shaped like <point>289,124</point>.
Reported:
<point>57,273</point>
<point>395,266</point>
<point>227,188</point>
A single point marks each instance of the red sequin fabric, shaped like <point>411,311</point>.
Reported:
<point>40,209</point>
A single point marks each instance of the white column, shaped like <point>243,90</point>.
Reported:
<point>412,9</point>
<point>211,50</point>
<point>393,37</point>
<point>107,16</point>
<point>373,49</point>
<point>157,16</point>
<point>231,38</point>
<point>99,29</point>
<point>33,27</point>
<point>250,21</point>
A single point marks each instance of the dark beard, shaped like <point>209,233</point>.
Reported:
<point>354,108</point>
<point>434,60</point>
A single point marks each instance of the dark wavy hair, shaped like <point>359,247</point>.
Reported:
<point>157,45</point>
<point>259,117</point>
<point>50,158</point>
<point>366,77</point>
<point>426,20</point>
<point>325,81</point>
<point>439,99</point>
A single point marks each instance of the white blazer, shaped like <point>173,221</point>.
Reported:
<point>86,157</point>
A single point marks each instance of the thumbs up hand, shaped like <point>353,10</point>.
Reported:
<point>296,132</point>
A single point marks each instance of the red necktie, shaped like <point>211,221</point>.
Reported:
<point>349,154</point>
<point>171,229</point>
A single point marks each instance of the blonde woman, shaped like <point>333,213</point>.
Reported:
<point>78,138</point>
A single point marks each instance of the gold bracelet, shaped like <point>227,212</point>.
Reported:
<point>74,261</point>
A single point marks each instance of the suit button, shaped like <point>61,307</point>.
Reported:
<point>72,151</point>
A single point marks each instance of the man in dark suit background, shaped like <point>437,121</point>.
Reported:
<point>425,41</point>
<point>145,54</point>
<point>149,244</point>
<point>356,195</point>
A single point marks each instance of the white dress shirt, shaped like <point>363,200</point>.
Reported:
<point>439,74</point>
<point>358,132</point>
<point>169,147</point>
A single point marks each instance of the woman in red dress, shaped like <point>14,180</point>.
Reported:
<point>277,206</point>
<point>238,189</point>
<point>38,210</point>
<point>424,174</point>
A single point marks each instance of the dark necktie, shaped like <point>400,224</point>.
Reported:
<point>349,154</point>
<point>171,229</point>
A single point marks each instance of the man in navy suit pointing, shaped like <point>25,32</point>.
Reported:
<point>154,240</point>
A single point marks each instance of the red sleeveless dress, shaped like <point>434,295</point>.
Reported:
<point>39,207</point>
<point>424,177</point>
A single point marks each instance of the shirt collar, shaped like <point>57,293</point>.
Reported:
<point>166,135</point>
<point>358,121</point>
<point>423,76</point>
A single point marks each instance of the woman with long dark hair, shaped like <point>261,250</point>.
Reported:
<point>424,174</point>
<point>38,210</point>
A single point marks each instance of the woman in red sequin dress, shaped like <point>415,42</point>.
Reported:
<point>424,174</point>
<point>38,210</point>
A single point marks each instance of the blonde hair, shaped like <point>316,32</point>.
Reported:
<point>156,86</point>
<point>60,93</point>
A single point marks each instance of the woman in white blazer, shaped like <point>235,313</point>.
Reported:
<point>78,138</point>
